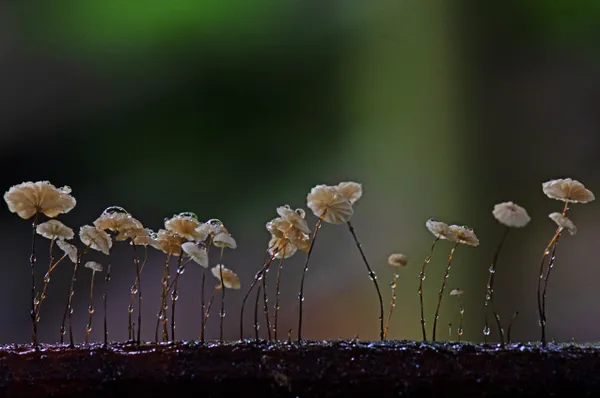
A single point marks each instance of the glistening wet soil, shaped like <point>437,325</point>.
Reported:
<point>310,369</point>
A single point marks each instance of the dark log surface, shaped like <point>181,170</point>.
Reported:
<point>311,369</point>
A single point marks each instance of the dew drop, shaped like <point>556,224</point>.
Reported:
<point>91,309</point>
<point>459,331</point>
<point>462,311</point>
<point>115,209</point>
<point>174,296</point>
<point>130,308</point>
<point>63,331</point>
<point>47,279</point>
<point>32,259</point>
<point>88,330</point>
<point>180,270</point>
<point>492,270</point>
<point>486,331</point>
<point>134,290</point>
<point>422,277</point>
<point>223,314</point>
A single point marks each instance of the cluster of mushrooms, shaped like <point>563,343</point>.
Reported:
<point>185,239</point>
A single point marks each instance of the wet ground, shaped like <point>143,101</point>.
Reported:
<point>310,369</point>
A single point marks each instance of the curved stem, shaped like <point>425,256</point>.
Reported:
<point>34,339</point>
<point>208,307</point>
<point>546,278</point>
<point>222,312</point>
<point>88,328</point>
<point>175,294</point>
<point>277,291</point>
<point>489,293</point>
<point>162,311</point>
<point>203,306</point>
<point>462,316</point>
<point>105,296</point>
<point>42,296</point>
<point>392,305</point>
<point>69,307</point>
<point>257,277</point>
<point>373,278</point>
<point>510,324</point>
<point>542,321</point>
<point>256,325</point>
<point>421,279</point>
<point>301,295</point>
<point>266,306</point>
<point>441,293</point>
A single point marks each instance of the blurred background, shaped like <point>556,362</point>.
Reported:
<point>230,109</point>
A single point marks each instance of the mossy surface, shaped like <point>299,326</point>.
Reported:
<point>310,369</point>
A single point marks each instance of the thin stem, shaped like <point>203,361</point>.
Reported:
<point>33,299</point>
<point>266,306</point>
<point>202,289</point>
<point>139,285</point>
<point>546,278</point>
<point>203,307</point>
<point>257,277</point>
<point>69,307</point>
<point>162,312</point>
<point>539,283</point>
<point>222,313</point>
<point>174,294</point>
<point>421,279</point>
<point>105,297</point>
<point>510,324</point>
<point>489,293</point>
<point>256,325</point>
<point>462,316</point>
<point>441,294</point>
<point>373,277</point>
<point>42,296</point>
<point>208,307</point>
<point>301,295</point>
<point>392,305</point>
<point>88,328</point>
<point>277,291</point>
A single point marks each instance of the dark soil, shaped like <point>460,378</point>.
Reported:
<point>311,369</point>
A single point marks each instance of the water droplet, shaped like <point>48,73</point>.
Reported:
<point>393,285</point>
<point>547,252</point>
<point>47,278</point>
<point>115,209</point>
<point>174,296</point>
<point>36,302</point>
<point>492,270</point>
<point>486,331</point>
<point>88,329</point>
<point>32,259</point>
<point>462,311</point>
<point>130,308</point>
<point>180,270</point>
<point>222,314</point>
<point>134,290</point>
<point>188,214</point>
<point>37,318</point>
<point>91,309</point>
<point>459,331</point>
<point>71,311</point>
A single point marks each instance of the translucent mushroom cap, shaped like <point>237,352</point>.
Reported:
<point>94,266</point>
<point>230,279</point>
<point>511,215</point>
<point>28,198</point>
<point>54,229</point>
<point>185,225</point>
<point>196,253</point>
<point>117,221</point>
<point>350,190</point>
<point>328,203</point>
<point>69,249</point>
<point>223,239</point>
<point>567,190</point>
<point>294,217</point>
<point>283,247</point>
<point>167,241</point>
<point>95,238</point>
<point>563,222</point>
<point>464,235</point>
<point>440,229</point>
<point>398,260</point>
